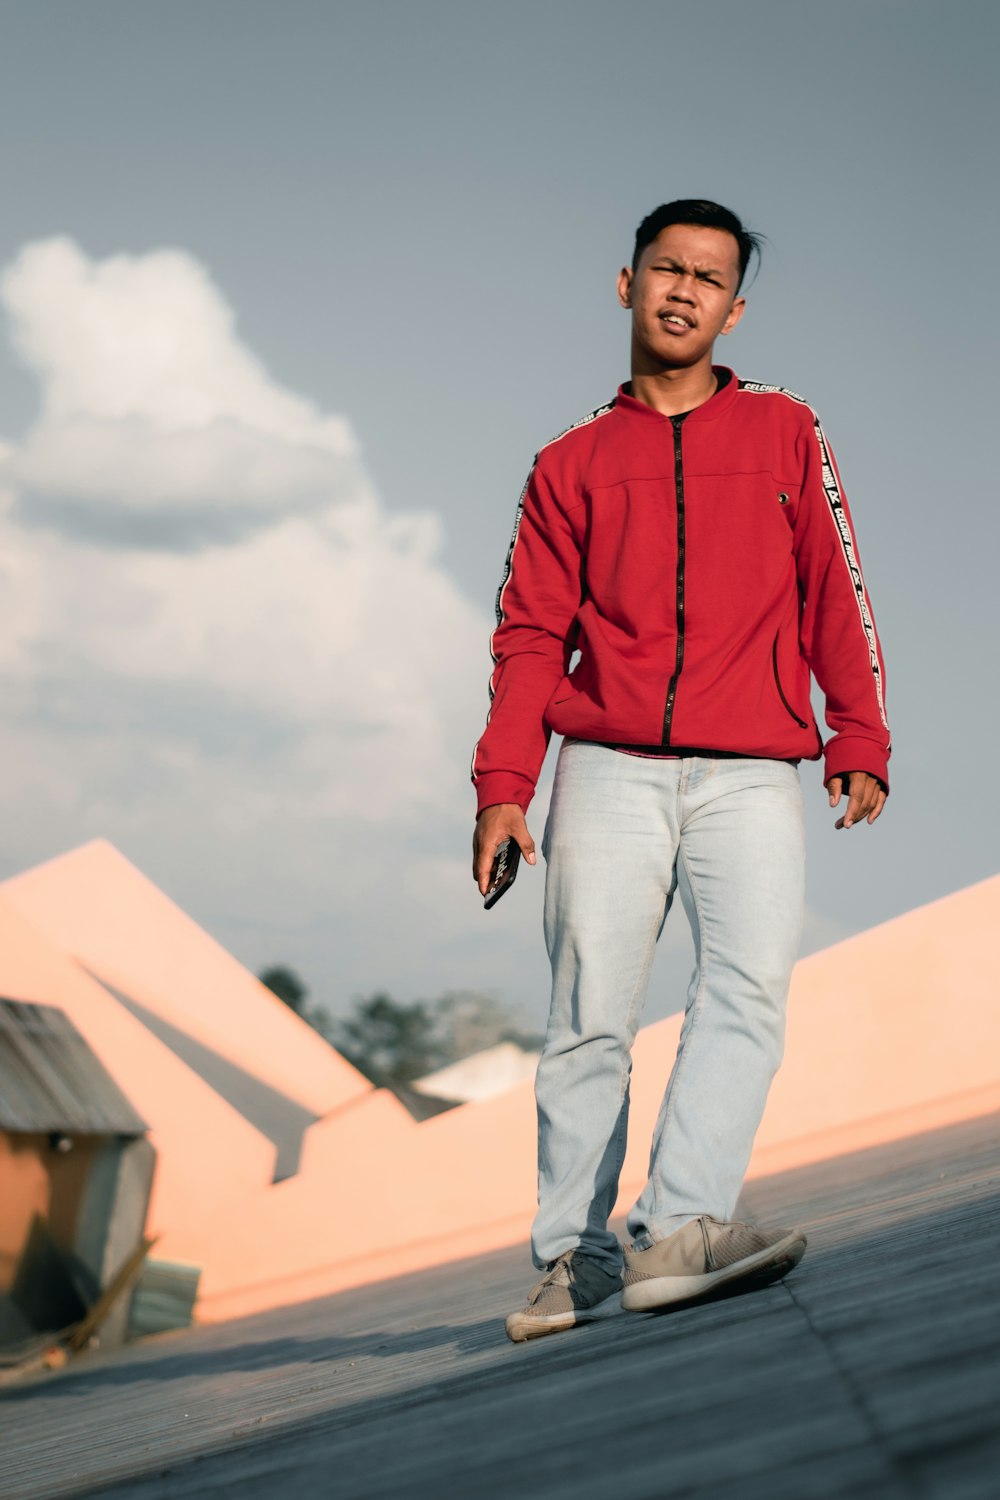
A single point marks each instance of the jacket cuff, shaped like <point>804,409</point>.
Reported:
<point>855,753</point>
<point>503,786</point>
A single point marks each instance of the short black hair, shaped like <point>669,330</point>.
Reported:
<point>705,214</point>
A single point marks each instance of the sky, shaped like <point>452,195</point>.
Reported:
<point>290,296</point>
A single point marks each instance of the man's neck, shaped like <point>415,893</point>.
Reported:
<point>674,391</point>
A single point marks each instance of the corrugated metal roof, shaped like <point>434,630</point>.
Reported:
<point>51,1080</point>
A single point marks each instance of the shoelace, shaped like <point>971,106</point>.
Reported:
<point>552,1277</point>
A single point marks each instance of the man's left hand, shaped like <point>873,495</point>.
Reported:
<point>865,797</point>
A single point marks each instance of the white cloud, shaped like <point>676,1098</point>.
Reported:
<point>219,649</point>
<point>147,336</point>
<point>151,406</point>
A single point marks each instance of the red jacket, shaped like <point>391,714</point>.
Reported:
<point>701,566</point>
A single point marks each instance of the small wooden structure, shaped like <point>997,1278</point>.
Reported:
<point>75,1177</point>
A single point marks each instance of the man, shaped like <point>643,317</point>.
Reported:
<point>691,542</point>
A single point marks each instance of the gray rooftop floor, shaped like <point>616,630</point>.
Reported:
<point>873,1371</point>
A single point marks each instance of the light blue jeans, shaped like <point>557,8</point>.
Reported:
<point>623,833</point>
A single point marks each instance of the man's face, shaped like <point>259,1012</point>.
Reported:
<point>682,295</point>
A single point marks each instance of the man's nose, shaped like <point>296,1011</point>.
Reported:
<point>682,289</point>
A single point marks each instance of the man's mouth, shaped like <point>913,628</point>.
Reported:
<point>676,320</point>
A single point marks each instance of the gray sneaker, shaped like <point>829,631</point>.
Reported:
<point>706,1256</point>
<point>576,1289</point>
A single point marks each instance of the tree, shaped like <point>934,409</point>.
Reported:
<point>391,1042</point>
<point>286,984</point>
<point>394,1043</point>
<point>468,1021</point>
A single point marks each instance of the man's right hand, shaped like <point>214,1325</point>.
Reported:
<point>504,820</point>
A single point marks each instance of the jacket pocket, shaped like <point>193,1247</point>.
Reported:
<point>781,692</point>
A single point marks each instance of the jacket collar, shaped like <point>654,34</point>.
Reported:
<point>715,406</point>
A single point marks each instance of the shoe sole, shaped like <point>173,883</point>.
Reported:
<point>522,1326</point>
<point>757,1270</point>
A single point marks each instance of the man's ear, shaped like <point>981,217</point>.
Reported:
<point>734,315</point>
<point>625,286</point>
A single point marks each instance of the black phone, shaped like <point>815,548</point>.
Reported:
<point>502,873</point>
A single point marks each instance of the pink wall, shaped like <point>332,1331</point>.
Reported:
<point>865,1062</point>
<point>892,1031</point>
<point>192,1178</point>
<point>97,906</point>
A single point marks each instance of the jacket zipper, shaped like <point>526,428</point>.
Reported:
<point>781,692</point>
<point>668,712</point>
